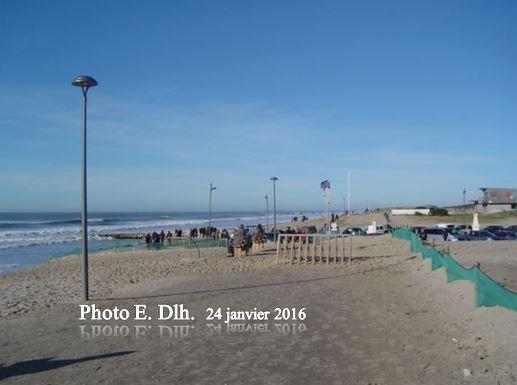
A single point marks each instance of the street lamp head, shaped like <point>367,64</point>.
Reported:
<point>274,178</point>
<point>84,81</point>
<point>213,188</point>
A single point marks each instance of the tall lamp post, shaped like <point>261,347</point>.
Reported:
<point>267,213</point>
<point>274,179</point>
<point>85,82</point>
<point>209,232</point>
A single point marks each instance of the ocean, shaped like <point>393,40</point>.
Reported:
<point>28,239</point>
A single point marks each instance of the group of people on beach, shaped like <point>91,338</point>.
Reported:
<point>160,238</point>
<point>244,239</point>
<point>241,237</point>
<point>303,219</point>
<point>194,232</point>
<point>155,237</point>
<point>205,232</point>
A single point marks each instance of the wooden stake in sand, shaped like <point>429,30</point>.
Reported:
<point>297,249</point>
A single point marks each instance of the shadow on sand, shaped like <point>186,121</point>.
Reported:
<point>44,364</point>
<point>262,285</point>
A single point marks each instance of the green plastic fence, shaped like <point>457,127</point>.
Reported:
<point>188,243</point>
<point>488,291</point>
<point>123,244</point>
<point>113,244</point>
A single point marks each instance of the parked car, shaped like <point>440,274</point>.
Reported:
<point>417,229</point>
<point>507,235</point>
<point>482,235</point>
<point>456,235</point>
<point>429,234</point>
<point>437,234</point>
<point>444,226</point>
<point>354,231</point>
<point>307,230</point>
<point>494,229</point>
<point>512,230</point>
<point>376,230</point>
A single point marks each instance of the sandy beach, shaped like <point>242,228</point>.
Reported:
<point>385,318</point>
<point>43,287</point>
<point>152,151</point>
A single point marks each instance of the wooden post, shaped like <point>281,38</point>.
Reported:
<point>322,246</point>
<point>320,249</point>
<point>351,249</point>
<point>286,245</point>
<point>331,247</point>
<point>307,250</point>
<point>286,249</point>
<point>300,250</point>
<point>296,256</point>
<point>314,250</point>
<point>299,238</point>
<point>282,246</point>
<point>292,249</point>
<point>337,248</point>
<point>328,248</point>
<point>278,253</point>
<point>343,245</point>
<point>279,247</point>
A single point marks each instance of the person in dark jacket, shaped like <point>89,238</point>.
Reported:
<point>259,236</point>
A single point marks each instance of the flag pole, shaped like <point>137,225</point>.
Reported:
<point>328,221</point>
<point>325,203</point>
<point>325,186</point>
<point>328,210</point>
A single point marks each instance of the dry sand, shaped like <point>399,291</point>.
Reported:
<point>497,259</point>
<point>384,319</point>
<point>45,286</point>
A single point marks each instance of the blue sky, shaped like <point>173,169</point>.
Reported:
<point>416,98</point>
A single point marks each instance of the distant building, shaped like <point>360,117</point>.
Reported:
<point>493,200</point>
<point>497,199</point>
<point>499,196</point>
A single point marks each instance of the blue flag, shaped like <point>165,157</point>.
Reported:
<point>325,185</point>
